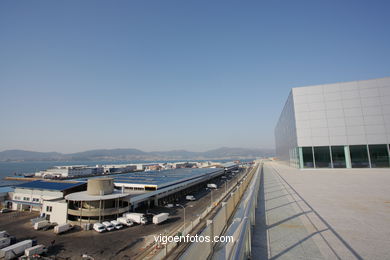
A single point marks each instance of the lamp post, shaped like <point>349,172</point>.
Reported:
<point>226,187</point>
<point>184,215</point>
<point>211,197</point>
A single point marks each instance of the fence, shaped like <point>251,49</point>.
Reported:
<point>217,224</point>
<point>240,228</point>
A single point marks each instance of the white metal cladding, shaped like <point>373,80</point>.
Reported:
<point>285,131</point>
<point>348,113</point>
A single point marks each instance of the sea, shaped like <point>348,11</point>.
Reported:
<point>20,168</point>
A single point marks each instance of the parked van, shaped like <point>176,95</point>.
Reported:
<point>108,225</point>
<point>116,224</point>
<point>99,227</point>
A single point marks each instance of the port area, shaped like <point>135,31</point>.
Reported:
<point>126,243</point>
<point>322,214</point>
<point>24,179</point>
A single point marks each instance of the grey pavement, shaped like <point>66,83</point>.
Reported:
<point>323,214</point>
<point>280,233</point>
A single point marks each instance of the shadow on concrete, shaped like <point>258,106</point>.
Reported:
<point>295,244</point>
<point>283,205</point>
<point>259,239</point>
<point>287,219</point>
<point>319,232</point>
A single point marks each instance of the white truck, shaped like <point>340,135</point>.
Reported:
<point>62,228</point>
<point>138,218</point>
<point>157,219</point>
<point>15,250</point>
<point>41,224</point>
<point>125,221</point>
<point>211,186</point>
<point>4,242</point>
<point>35,250</point>
<point>190,197</point>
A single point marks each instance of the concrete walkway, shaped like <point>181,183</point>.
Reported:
<point>322,214</point>
<point>279,232</point>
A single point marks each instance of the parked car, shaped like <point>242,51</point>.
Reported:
<point>108,226</point>
<point>170,205</point>
<point>5,210</point>
<point>190,197</point>
<point>116,224</point>
<point>211,186</point>
<point>99,227</point>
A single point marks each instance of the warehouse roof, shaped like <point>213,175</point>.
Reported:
<point>161,178</point>
<point>50,185</point>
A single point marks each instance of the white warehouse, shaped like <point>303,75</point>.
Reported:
<point>342,125</point>
<point>70,171</point>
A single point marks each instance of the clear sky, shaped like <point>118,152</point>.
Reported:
<point>161,75</point>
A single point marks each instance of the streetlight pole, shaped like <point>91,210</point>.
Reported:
<point>184,217</point>
<point>211,197</point>
<point>226,187</point>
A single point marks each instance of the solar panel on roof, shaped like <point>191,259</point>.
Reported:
<point>162,178</point>
<point>49,185</point>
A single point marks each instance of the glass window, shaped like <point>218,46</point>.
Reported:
<point>359,156</point>
<point>307,154</point>
<point>322,157</point>
<point>379,155</point>
<point>338,157</point>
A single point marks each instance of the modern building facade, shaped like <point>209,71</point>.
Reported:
<point>342,125</point>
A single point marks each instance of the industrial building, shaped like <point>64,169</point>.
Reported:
<point>31,195</point>
<point>341,125</point>
<point>119,168</point>
<point>90,200</point>
<point>70,171</point>
<point>99,202</point>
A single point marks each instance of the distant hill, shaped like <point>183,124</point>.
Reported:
<point>21,155</point>
<point>135,154</point>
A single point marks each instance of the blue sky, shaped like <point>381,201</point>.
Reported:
<point>161,75</point>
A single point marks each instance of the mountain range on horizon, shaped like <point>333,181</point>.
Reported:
<point>135,154</point>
